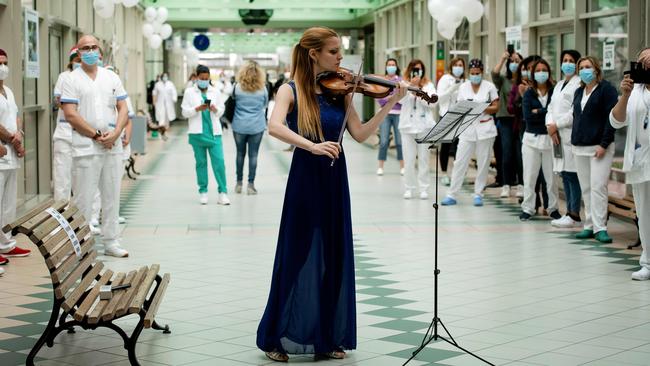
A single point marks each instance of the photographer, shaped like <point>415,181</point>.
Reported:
<point>633,111</point>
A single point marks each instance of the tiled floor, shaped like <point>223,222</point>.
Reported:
<point>515,293</point>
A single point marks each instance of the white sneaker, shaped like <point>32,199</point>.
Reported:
<point>2,271</point>
<point>565,222</point>
<point>121,220</point>
<point>94,222</point>
<point>408,195</point>
<point>505,191</point>
<point>380,171</point>
<point>95,230</point>
<point>445,180</point>
<point>223,199</point>
<point>520,191</point>
<point>641,275</point>
<point>424,195</point>
<point>116,251</point>
<point>203,198</point>
<point>401,171</point>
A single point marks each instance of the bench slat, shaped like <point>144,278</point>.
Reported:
<point>28,226</point>
<point>97,312</point>
<point>33,212</point>
<point>51,241</point>
<point>66,284</point>
<point>49,225</point>
<point>155,302</point>
<point>622,212</point>
<point>64,250</point>
<point>88,302</point>
<point>111,308</point>
<point>143,290</point>
<point>125,301</point>
<point>69,264</point>
<point>71,300</point>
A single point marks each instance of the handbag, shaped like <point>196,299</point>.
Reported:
<point>229,113</point>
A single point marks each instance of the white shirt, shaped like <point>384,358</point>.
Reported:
<point>585,150</point>
<point>192,99</point>
<point>416,115</point>
<point>96,103</point>
<point>166,97</point>
<point>483,127</point>
<point>9,120</point>
<point>447,93</point>
<point>63,130</point>
<point>560,112</point>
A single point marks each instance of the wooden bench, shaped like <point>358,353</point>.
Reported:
<point>624,208</point>
<point>77,277</point>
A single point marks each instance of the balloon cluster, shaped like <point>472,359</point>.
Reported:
<point>155,30</point>
<point>450,14</point>
<point>106,8</point>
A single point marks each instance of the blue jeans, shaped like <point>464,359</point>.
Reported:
<point>572,192</point>
<point>392,120</point>
<point>511,162</point>
<point>253,142</point>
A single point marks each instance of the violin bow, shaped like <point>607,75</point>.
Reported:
<point>349,108</point>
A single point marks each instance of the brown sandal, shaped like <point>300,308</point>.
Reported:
<point>277,356</point>
<point>337,355</point>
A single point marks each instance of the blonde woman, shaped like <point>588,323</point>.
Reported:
<point>249,120</point>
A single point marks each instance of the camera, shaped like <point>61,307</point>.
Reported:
<point>638,73</point>
<point>207,102</point>
<point>511,49</point>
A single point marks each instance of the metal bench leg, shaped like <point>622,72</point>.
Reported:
<point>51,325</point>
<point>157,326</point>
<point>638,240</point>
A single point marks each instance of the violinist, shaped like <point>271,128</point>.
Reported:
<point>416,119</point>
<point>311,304</point>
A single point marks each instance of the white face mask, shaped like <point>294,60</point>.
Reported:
<point>4,72</point>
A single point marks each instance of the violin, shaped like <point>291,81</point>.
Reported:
<point>342,81</point>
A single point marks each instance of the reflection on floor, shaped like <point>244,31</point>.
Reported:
<point>515,293</point>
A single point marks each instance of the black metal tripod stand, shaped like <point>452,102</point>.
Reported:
<point>432,332</point>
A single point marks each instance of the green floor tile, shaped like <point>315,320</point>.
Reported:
<point>13,358</point>
<point>374,282</point>
<point>396,313</point>
<point>369,273</point>
<point>18,344</point>
<point>403,325</point>
<point>42,306</point>
<point>413,339</point>
<point>379,291</point>
<point>386,301</point>
<point>364,265</point>
<point>32,318</point>
<point>427,354</point>
<point>25,330</point>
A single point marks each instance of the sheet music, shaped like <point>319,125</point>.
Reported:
<point>454,122</point>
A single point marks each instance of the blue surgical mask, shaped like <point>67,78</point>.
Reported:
<point>513,66</point>
<point>587,75</point>
<point>165,77</point>
<point>90,57</point>
<point>391,70</point>
<point>568,68</point>
<point>203,84</point>
<point>475,79</point>
<point>457,71</point>
<point>541,77</point>
<point>525,74</point>
<point>76,65</point>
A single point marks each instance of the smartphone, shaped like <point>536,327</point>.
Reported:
<point>638,73</point>
<point>207,101</point>
<point>511,49</point>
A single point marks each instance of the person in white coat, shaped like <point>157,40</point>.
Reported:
<point>164,98</point>
<point>559,122</point>
<point>633,111</point>
<point>93,100</point>
<point>416,119</point>
<point>447,92</point>
<point>11,150</point>
<point>202,106</point>
<point>478,138</point>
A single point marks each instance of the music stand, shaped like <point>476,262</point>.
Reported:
<point>460,116</point>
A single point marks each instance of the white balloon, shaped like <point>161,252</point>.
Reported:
<point>475,12</point>
<point>150,14</point>
<point>155,41</point>
<point>162,14</point>
<point>147,30</point>
<point>157,27</point>
<point>166,31</point>
<point>435,8</point>
<point>446,30</point>
<point>453,14</point>
<point>104,8</point>
<point>130,3</point>
<point>117,1</point>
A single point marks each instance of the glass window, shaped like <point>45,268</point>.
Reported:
<point>606,30</point>
<point>569,6</point>
<point>486,13</point>
<point>30,168</point>
<point>606,4</point>
<point>517,12</point>
<point>417,16</point>
<point>544,6</point>
<point>568,41</point>
<point>548,50</point>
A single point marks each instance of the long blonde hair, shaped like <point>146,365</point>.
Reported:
<point>302,72</point>
<point>251,77</point>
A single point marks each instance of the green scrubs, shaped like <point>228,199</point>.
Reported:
<point>205,144</point>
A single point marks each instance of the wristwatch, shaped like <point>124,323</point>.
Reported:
<point>97,135</point>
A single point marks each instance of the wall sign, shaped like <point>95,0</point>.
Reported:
<point>32,65</point>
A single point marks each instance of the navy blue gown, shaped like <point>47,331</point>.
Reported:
<point>311,306</point>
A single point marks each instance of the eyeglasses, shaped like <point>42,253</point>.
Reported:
<point>89,48</point>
